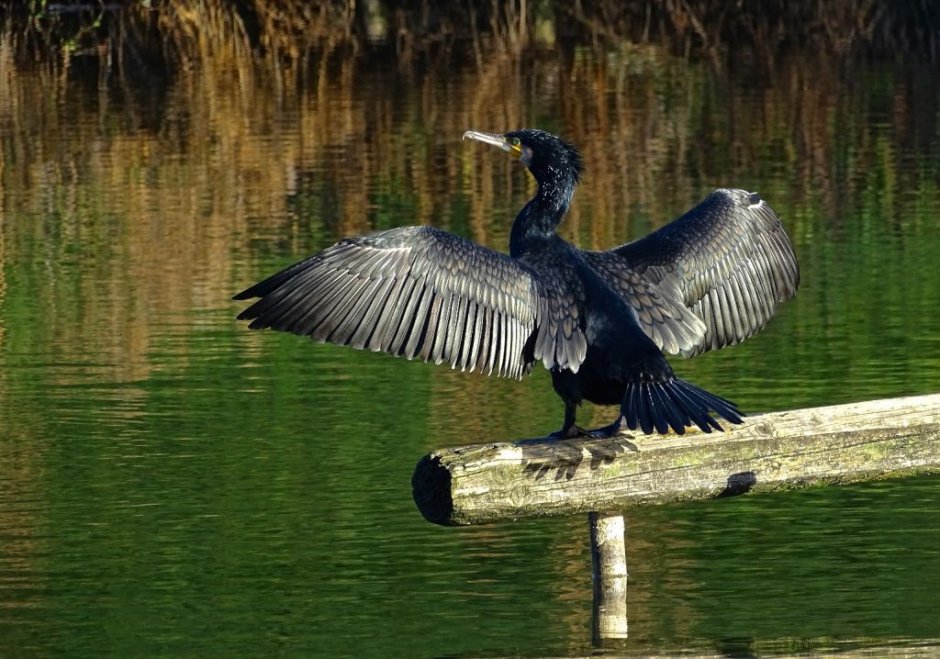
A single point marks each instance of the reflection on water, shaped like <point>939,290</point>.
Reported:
<point>806,566</point>
<point>172,483</point>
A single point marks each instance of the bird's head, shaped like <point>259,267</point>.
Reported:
<point>549,158</point>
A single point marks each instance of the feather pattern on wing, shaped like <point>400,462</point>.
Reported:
<point>420,292</point>
<point>711,278</point>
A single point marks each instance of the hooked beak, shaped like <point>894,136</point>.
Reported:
<point>494,139</point>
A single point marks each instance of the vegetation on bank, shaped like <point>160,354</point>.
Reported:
<point>292,30</point>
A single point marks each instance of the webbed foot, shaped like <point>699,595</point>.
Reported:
<point>618,427</point>
<point>571,432</point>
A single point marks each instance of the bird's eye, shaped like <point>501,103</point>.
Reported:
<point>516,141</point>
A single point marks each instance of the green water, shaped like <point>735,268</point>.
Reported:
<point>173,484</point>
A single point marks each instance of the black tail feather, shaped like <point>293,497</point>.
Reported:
<point>676,404</point>
<point>697,410</point>
<point>629,406</point>
<point>724,408</point>
<point>660,410</point>
<point>675,414</point>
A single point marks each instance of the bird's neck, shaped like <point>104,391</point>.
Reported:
<point>539,218</point>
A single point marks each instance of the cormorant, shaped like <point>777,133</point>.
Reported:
<point>599,321</point>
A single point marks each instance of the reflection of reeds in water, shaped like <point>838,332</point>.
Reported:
<point>272,149</point>
<point>6,110</point>
<point>238,137</point>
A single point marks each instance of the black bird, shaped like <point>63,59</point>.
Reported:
<point>599,321</point>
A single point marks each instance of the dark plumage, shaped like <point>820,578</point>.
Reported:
<point>599,321</point>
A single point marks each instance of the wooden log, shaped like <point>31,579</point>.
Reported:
<point>775,451</point>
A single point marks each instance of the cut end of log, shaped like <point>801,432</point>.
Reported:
<point>431,488</point>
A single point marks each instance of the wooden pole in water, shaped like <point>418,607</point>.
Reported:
<point>770,452</point>
<point>609,572</point>
<point>777,451</point>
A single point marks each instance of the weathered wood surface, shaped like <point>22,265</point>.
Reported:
<point>775,451</point>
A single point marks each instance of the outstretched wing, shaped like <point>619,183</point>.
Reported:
<point>417,292</point>
<point>709,279</point>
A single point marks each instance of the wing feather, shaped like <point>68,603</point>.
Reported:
<point>419,291</point>
<point>365,336</point>
<point>429,334</point>
<point>319,321</point>
<point>356,319</point>
<point>411,292</point>
<point>711,278</point>
<point>419,322</point>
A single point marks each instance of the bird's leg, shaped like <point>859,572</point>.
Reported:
<point>618,427</point>
<point>570,430</point>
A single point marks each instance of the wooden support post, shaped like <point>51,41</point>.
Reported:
<point>609,572</point>
<point>776,451</point>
